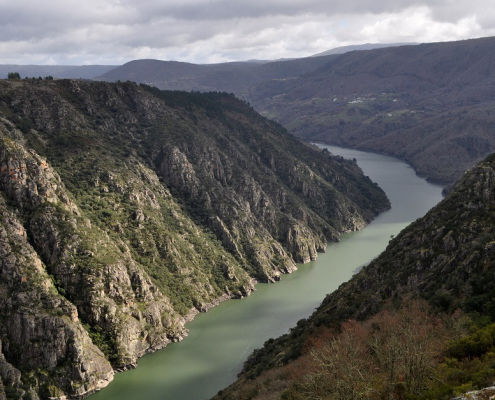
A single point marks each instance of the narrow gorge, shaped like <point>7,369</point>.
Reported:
<point>440,268</point>
<point>220,341</point>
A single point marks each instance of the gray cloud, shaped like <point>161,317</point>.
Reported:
<point>116,31</point>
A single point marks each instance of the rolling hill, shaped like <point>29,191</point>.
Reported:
<point>234,77</point>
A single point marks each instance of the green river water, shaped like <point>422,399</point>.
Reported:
<point>220,340</point>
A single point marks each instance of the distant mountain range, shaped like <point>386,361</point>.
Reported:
<point>429,104</point>
<point>143,70</point>
<point>235,77</point>
<point>359,47</point>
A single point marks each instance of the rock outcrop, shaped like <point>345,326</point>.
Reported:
<point>483,394</point>
<point>40,329</point>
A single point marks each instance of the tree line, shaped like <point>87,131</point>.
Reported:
<point>16,75</point>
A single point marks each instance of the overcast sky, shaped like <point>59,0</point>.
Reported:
<point>208,31</point>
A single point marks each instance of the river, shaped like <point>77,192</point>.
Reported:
<point>221,339</point>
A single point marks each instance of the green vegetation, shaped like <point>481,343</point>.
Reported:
<point>104,340</point>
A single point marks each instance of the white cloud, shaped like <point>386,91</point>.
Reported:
<point>202,31</point>
<point>417,25</point>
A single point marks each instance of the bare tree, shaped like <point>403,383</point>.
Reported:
<point>390,356</point>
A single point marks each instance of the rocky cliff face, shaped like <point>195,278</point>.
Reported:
<point>41,331</point>
<point>125,211</point>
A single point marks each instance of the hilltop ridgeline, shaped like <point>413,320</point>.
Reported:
<point>236,77</point>
<point>125,210</point>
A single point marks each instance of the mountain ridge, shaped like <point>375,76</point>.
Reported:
<point>126,210</point>
<point>235,77</point>
<point>361,47</point>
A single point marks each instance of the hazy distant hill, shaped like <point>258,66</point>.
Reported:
<point>236,77</point>
<point>57,71</point>
<point>182,73</point>
<point>358,47</point>
<point>430,104</point>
